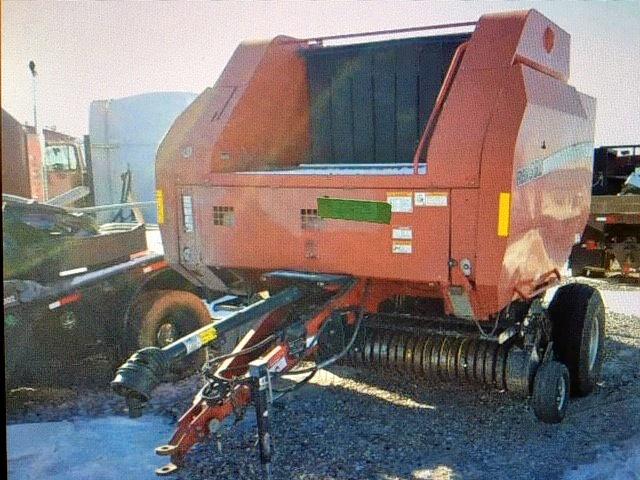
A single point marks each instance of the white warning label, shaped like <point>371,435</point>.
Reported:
<point>431,199</point>
<point>401,202</point>
<point>402,233</point>
<point>401,246</point>
<point>280,365</point>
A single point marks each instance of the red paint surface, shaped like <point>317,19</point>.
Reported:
<point>509,105</point>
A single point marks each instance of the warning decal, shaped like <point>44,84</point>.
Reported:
<point>431,199</point>
<point>278,360</point>
<point>402,233</point>
<point>209,335</point>
<point>401,246</point>
<point>401,202</point>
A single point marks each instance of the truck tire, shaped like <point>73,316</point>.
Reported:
<point>551,392</point>
<point>162,316</point>
<point>578,324</point>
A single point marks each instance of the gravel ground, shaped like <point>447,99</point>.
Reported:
<point>353,424</point>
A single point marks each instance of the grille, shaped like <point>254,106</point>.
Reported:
<point>309,219</point>
<point>223,216</point>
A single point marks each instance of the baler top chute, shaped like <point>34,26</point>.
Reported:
<point>430,184</point>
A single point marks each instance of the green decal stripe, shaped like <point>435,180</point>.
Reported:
<point>355,210</point>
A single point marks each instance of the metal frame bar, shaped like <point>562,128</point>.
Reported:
<point>320,40</point>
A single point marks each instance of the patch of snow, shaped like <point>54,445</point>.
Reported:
<point>612,464</point>
<point>106,448</point>
<point>626,302</point>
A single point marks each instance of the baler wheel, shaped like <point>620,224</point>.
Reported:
<point>578,319</point>
<point>163,316</point>
<point>551,392</point>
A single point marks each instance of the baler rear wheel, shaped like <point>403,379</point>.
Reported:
<point>551,392</point>
<point>163,316</point>
<point>578,322</point>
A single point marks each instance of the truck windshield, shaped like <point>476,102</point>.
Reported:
<point>61,157</point>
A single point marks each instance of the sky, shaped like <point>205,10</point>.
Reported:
<point>87,51</point>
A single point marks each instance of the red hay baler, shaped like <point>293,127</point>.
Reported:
<point>405,203</point>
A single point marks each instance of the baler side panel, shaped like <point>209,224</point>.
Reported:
<point>269,124</point>
<point>550,181</point>
<point>455,149</point>
<point>229,122</point>
<point>464,226</point>
<point>183,158</point>
<point>510,91</point>
<point>268,225</point>
<point>495,177</point>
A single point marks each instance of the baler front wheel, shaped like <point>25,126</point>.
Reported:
<point>578,319</point>
<point>551,392</point>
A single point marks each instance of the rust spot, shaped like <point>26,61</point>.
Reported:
<point>549,39</point>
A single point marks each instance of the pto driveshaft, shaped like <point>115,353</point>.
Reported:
<point>144,370</point>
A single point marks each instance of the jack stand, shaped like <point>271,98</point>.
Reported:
<point>259,394</point>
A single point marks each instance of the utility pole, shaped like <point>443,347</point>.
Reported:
<point>34,74</point>
<point>45,174</point>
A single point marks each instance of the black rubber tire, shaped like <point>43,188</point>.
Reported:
<point>183,310</point>
<point>578,322</point>
<point>551,398</point>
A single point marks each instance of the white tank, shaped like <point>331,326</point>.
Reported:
<point>125,134</point>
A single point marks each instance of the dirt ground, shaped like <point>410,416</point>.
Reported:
<point>354,424</point>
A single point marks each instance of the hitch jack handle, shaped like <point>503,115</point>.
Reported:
<point>258,371</point>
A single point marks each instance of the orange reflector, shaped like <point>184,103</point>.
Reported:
<point>74,297</point>
<point>154,266</point>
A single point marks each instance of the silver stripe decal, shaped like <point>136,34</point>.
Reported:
<point>563,159</point>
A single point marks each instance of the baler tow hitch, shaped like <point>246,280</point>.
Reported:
<point>288,327</point>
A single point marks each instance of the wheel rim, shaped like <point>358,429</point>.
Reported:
<point>561,394</point>
<point>167,334</point>
<point>594,342</point>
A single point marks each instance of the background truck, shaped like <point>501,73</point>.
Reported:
<point>48,166</point>
<point>610,243</point>
<point>79,298</point>
<point>77,288</point>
